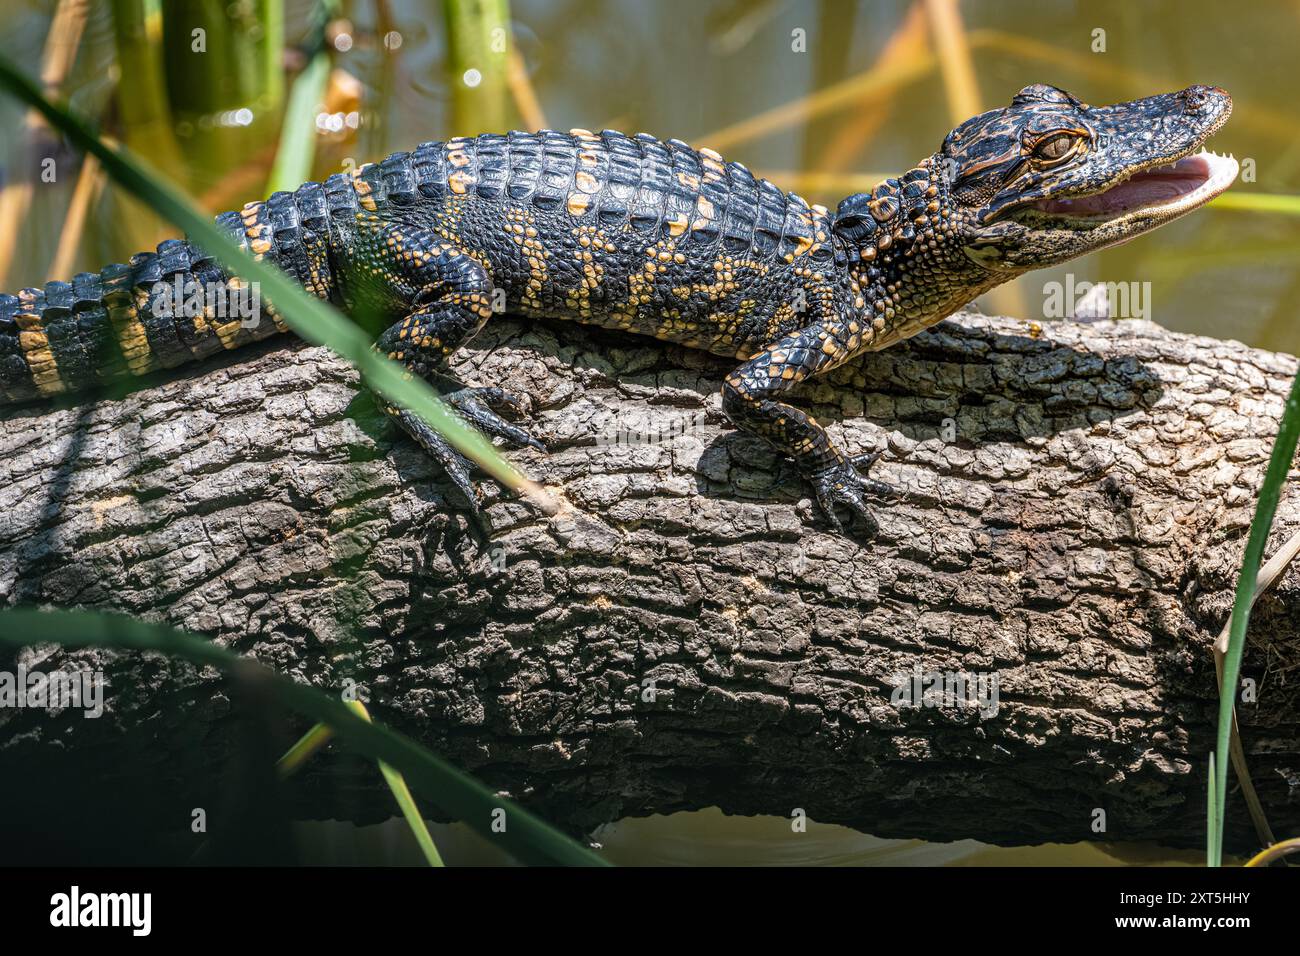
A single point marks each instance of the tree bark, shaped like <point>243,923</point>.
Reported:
<point>686,632</point>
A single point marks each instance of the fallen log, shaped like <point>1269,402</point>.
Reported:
<point>686,632</point>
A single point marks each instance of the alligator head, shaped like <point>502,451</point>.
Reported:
<point>1050,178</point>
<point>1042,181</point>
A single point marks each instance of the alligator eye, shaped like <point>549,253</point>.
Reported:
<point>1054,148</point>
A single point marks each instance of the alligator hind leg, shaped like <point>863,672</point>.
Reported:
<point>422,342</point>
<point>456,302</point>
<point>750,396</point>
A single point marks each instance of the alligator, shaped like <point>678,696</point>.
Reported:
<point>650,237</point>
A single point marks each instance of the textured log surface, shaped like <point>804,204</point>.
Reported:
<point>686,632</point>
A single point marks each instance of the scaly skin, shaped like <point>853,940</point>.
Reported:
<point>653,238</point>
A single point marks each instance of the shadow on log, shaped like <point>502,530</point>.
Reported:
<point>687,632</point>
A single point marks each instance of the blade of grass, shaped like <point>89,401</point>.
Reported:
<point>834,25</point>
<point>1211,814</point>
<point>319,736</point>
<point>402,794</point>
<point>297,150</point>
<point>1279,465</point>
<point>312,319</point>
<point>526,837</point>
<point>307,747</point>
<point>1267,575</point>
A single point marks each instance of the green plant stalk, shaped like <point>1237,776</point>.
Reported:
<point>411,813</point>
<point>141,92</point>
<point>240,63</point>
<point>297,149</point>
<point>1279,464</point>
<point>525,836</point>
<point>306,747</point>
<point>1259,202</point>
<point>402,794</point>
<point>478,38</point>
<point>1211,814</point>
<point>312,319</point>
<point>144,115</point>
<point>239,67</point>
<point>1276,852</point>
<point>319,736</point>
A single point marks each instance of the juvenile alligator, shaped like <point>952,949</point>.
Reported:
<point>655,238</point>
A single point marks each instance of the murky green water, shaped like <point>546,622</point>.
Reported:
<point>753,79</point>
<point>710,838</point>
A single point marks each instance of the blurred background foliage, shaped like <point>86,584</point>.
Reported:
<point>824,96</point>
<point>234,98</point>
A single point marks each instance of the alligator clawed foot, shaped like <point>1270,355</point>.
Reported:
<point>846,483</point>
<point>456,465</point>
<point>476,406</point>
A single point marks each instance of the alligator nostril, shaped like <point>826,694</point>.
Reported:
<point>1196,99</point>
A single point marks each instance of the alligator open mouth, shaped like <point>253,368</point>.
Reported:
<point>1164,191</point>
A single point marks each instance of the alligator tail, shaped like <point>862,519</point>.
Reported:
<point>163,308</point>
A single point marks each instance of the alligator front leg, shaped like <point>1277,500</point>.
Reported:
<point>750,396</point>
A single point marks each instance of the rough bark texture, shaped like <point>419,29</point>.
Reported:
<point>1074,500</point>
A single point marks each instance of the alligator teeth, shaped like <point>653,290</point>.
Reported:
<point>1217,155</point>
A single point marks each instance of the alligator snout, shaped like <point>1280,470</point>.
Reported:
<point>1198,100</point>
